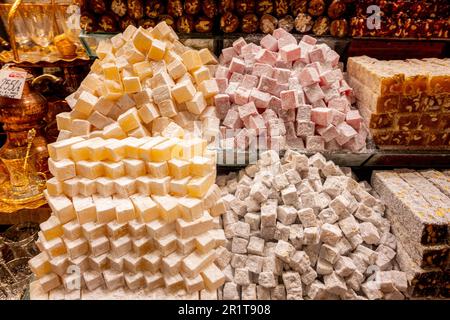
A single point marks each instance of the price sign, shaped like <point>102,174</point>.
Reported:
<point>12,83</point>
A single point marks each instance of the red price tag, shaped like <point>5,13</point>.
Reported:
<point>12,83</point>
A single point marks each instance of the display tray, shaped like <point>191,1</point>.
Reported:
<point>214,42</point>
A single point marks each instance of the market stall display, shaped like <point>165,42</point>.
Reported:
<point>405,104</point>
<point>285,93</point>
<point>301,228</point>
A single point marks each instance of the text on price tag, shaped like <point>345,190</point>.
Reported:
<point>12,83</point>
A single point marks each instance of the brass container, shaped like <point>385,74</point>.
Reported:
<point>24,154</point>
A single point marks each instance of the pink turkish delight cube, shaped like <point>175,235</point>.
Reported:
<point>249,48</point>
<point>294,83</point>
<point>280,32</point>
<point>241,139</point>
<point>260,98</point>
<point>290,129</point>
<point>330,94</point>
<point>275,127</point>
<point>354,119</point>
<point>338,74</point>
<point>332,145</point>
<point>345,133</point>
<point>290,52</point>
<point>228,54</point>
<point>268,115</point>
<point>232,120</point>
<point>327,78</point>
<point>313,93</point>
<point>283,64</point>
<point>266,56</point>
<point>278,88</point>
<point>328,133</point>
<point>315,143</point>
<point>286,40</point>
<point>304,55</point>
<point>275,104</point>
<point>340,104</point>
<point>269,42</point>
<point>236,77</point>
<point>247,110</point>
<point>319,104</point>
<point>277,143</point>
<point>332,58</point>
<point>249,81</point>
<point>222,84</point>
<point>345,88</point>
<point>338,117</point>
<point>281,75</point>
<point>309,40</point>
<point>321,116</point>
<point>256,122</point>
<point>237,65</point>
<point>231,90</point>
<point>319,53</point>
<point>262,69</point>
<point>241,96</point>
<point>304,112</point>
<point>294,143</point>
<point>287,115</point>
<point>238,44</point>
<point>305,128</point>
<point>289,99</point>
<point>267,84</point>
<point>222,72</point>
<point>308,76</point>
<point>222,103</point>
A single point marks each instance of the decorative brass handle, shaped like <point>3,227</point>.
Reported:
<point>52,78</point>
<point>11,32</point>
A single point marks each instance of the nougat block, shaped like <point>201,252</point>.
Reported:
<point>79,151</point>
<point>159,228</point>
<point>93,230</point>
<point>61,207</point>
<point>134,168</point>
<point>190,208</point>
<point>131,84</point>
<point>72,230</point>
<point>114,170</point>
<point>159,186</point>
<point>40,264</point>
<point>148,112</point>
<point>146,209</point>
<point>61,149</point>
<point>64,121</point>
<point>142,246</point>
<point>152,261</point>
<point>85,209</point>
<point>129,120</point>
<point>198,186</point>
<point>178,187</point>
<point>158,169</point>
<point>213,277</point>
<point>167,244</point>
<point>171,264</point>
<point>86,187</point>
<point>120,246</point>
<point>93,279</point>
<point>116,230</point>
<point>51,228</point>
<point>49,282</point>
<point>194,263</point>
<point>60,264</point>
<point>186,246</point>
<point>77,247</point>
<point>124,210</point>
<point>145,150</point>
<point>194,284</point>
<point>104,186</point>
<point>157,50</point>
<point>154,280</point>
<point>85,103</point>
<point>63,169</point>
<point>71,187</point>
<point>113,279</point>
<point>168,207</point>
<point>191,59</point>
<point>80,127</point>
<point>105,208</point>
<point>89,169</point>
<point>114,130</point>
<point>178,168</point>
<point>186,229</point>
<point>54,247</point>
<point>96,149</point>
<point>201,166</point>
<point>99,246</point>
<point>204,242</point>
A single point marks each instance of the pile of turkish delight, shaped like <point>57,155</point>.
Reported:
<point>285,93</point>
<point>300,228</point>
